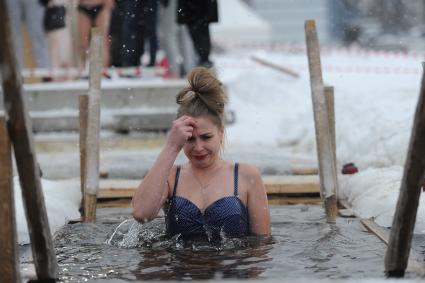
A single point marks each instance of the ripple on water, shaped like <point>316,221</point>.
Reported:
<point>302,245</point>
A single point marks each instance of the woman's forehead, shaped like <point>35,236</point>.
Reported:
<point>205,124</point>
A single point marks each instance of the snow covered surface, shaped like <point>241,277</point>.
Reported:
<point>153,82</point>
<point>238,22</point>
<point>375,100</point>
<point>62,199</point>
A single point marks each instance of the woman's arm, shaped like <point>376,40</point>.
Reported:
<point>258,209</point>
<point>153,190</point>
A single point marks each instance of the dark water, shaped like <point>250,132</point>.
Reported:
<point>302,245</point>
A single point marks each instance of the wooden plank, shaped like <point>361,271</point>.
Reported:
<point>291,184</point>
<point>331,208</point>
<point>331,203</point>
<point>9,262</point>
<point>119,192</point>
<point>277,67</point>
<point>325,152</point>
<point>405,215</point>
<point>305,170</point>
<point>414,264</point>
<point>294,200</point>
<point>20,134</point>
<point>118,188</point>
<point>107,203</point>
<point>374,228</point>
<point>330,103</point>
<point>91,181</point>
<point>83,105</point>
<point>90,203</point>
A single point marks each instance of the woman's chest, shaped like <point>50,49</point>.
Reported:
<point>203,197</point>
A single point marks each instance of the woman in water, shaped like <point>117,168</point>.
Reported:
<point>207,196</point>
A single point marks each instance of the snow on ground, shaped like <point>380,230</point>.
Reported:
<point>62,199</point>
<point>375,99</point>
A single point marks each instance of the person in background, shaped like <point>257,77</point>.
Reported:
<point>206,197</point>
<point>31,12</point>
<point>197,16</point>
<point>150,26</point>
<point>126,35</point>
<point>94,13</point>
<point>175,41</point>
<point>56,26</point>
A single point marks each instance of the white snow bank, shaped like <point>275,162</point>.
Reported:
<point>62,199</point>
<point>374,193</point>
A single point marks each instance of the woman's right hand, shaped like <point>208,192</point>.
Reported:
<point>181,131</point>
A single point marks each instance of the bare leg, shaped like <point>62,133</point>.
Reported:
<point>84,26</point>
<point>102,21</point>
<point>34,18</point>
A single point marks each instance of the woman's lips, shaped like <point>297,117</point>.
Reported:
<point>200,157</point>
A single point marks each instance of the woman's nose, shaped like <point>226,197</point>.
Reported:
<point>198,145</point>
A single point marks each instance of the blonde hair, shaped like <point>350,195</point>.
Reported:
<point>204,96</point>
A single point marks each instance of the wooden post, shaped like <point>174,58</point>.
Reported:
<point>325,152</point>
<point>20,133</point>
<point>330,103</point>
<point>404,219</point>
<point>93,127</point>
<point>275,67</point>
<point>331,203</point>
<point>83,117</point>
<point>9,254</point>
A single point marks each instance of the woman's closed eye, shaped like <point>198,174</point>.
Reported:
<point>202,137</point>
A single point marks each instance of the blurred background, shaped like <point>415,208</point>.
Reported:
<point>372,24</point>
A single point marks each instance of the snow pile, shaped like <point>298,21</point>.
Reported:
<point>62,200</point>
<point>375,103</point>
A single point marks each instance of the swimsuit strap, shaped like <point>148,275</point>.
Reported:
<point>236,179</point>
<point>176,180</point>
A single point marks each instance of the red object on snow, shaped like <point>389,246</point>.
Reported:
<point>164,64</point>
<point>349,168</point>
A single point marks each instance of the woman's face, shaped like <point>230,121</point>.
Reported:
<point>203,148</point>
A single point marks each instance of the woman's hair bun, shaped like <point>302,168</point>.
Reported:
<point>203,95</point>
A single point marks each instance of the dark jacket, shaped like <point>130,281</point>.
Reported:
<point>196,11</point>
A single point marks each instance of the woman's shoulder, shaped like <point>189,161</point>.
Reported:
<point>248,169</point>
<point>250,177</point>
<point>250,174</point>
<point>171,180</point>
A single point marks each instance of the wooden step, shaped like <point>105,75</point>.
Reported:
<point>118,120</point>
<point>303,184</point>
<point>305,170</point>
<point>290,184</point>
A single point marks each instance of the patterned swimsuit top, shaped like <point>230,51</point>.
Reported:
<point>226,215</point>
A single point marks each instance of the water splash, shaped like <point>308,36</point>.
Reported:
<point>125,235</point>
<point>132,234</point>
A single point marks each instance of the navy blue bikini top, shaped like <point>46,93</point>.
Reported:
<point>226,215</point>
